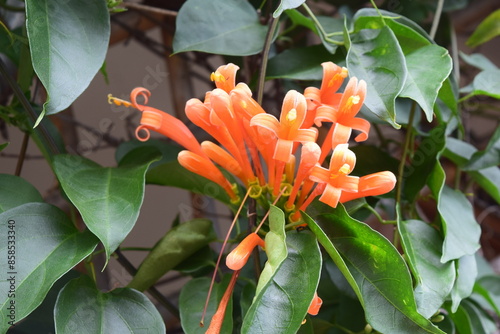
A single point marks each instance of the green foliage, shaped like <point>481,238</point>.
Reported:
<point>428,279</point>
<point>109,199</point>
<point>228,28</point>
<point>68,43</point>
<point>178,244</point>
<point>82,308</point>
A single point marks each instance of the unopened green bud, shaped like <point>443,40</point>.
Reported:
<point>437,318</point>
<point>368,329</point>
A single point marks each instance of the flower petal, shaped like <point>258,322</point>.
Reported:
<point>266,121</point>
<point>372,185</point>
<point>361,125</point>
<point>225,77</point>
<point>331,196</point>
<point>283,150</point>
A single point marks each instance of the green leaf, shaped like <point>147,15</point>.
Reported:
<point>282,304</point>
<point>68,43</point>
<point>220,27</point>
<point>486,83</point>
<point>464,284</point>
<point>192,301</point>
<point>15,191</point>
<point>287,4</point>
<point>109,199</point>
<point>422,246</point>
<point>299,63</point>
<point>371,159</point>
<point>460,228</point>
<point>133,150</point>
<point>470,318</point>
<point>332,36</point>
<point>478,60</point>
<point>375,270</point>
<point>487,29</point>
<point>490,157</point>
<point>298,18</point>
<point>3,146</point>
<point>42,245</point>
<point>489,288</point>
<point>460,153</point>
<point>425,79</point>
<point>82,308</point>
<point>424,161</point>
<point>375,56</point>
<point>276,249</point>
<point>175,246</point>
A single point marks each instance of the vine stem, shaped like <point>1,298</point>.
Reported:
<point>265,55</point>
<point>129,267</point>
<point>22,154</point>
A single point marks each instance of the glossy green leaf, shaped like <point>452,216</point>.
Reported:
<point>38,245</point>
<point>82,308</point>
<point>460,228</point>
<point>422,246</point>
<point>376,272</point>
<point>287,4</point>
<point>490,157</point>
<point>15,191</point>
<point>276,249</point>
<point>425,78</point>
<point>464,284</point>
<point>487,29</point>
<point>489,178</point>
<point>375,56</point>
<point>192,301</point>
<point>68,43</point>
<point>109,199</point>
<point>478,60</point>
<point>371,159</point>
<point>220,27</point>
<point>299,63</point>
<point>133,150</point>
<point>282,304</point>
<point>489,288</point>
<point>175,246</point>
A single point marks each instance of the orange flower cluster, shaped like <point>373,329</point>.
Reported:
<point>261,150</point>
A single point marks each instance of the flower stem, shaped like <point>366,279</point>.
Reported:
<point>22,154</point>
<point>273,23</point>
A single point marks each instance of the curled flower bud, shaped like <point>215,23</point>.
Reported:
<point>239,256</point>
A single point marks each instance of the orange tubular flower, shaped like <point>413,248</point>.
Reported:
<point>336,177</point>
<point>225,77</point>
<point>371,185</point>
<point>166,124</point>
<point>239,256</point>
<point>204,167</point>
<point>218,318</point>
<point>224,159</point>
<point>344,117</point>
<point>287,129</point>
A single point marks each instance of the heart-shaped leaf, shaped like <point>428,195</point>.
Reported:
<point>220,27</point>
<point>282,304</point>
<point>178,244</point>
<point>68,43</point>
<point>376,272</point>
<point>38,244</point>
<point>422,246</point>
<point>15,191</point>
<point>82,308</point>
<point>376,57</point>
<point>108,198</point>
<point>287,4</point>
<point>424,79</point>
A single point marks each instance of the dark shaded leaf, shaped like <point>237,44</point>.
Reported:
<point>178,244</point>
<point>82,308</point>
<point>15,191</point>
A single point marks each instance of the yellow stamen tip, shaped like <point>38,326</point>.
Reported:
<point>217,77</point>
<point>117,101</point>
<point>292,115</point>
<point>344,72</point>
<point>243,104</point>
<point>355,99</point>
<point>345,169</point>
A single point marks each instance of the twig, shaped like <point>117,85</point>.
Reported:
<point>22,154</point>
<point>151,9</point>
